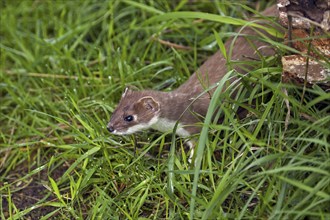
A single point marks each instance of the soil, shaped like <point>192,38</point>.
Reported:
<point>30,192</point>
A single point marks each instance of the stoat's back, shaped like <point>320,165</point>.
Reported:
<point>246,49</point>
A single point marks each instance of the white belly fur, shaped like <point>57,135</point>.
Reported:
<point>165,125</point>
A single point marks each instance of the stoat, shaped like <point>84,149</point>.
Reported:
<point>141,110</point>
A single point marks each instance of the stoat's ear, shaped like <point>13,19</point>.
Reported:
<point>149,104</point>
<point>128,90</point>
<point>125,92</point>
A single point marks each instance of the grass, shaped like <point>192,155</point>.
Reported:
<point>64,65</point>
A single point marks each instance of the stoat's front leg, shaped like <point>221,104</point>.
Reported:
<point>191,145</point>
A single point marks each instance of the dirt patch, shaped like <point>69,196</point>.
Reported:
<point>29,192</point>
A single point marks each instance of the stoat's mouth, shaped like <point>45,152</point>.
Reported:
<point>117,131</point>
<point>122,130</point>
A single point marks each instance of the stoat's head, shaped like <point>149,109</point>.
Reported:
<point>135,112</point>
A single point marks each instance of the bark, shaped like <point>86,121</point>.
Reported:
<point>308,25</point>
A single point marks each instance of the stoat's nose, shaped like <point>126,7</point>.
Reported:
<point>110,128</point>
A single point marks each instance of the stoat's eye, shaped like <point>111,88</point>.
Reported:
<point>129,118</point>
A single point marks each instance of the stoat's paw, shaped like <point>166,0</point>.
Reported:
<point>191,146</point>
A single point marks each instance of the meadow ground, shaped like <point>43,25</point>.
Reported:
<point>64,65</point>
